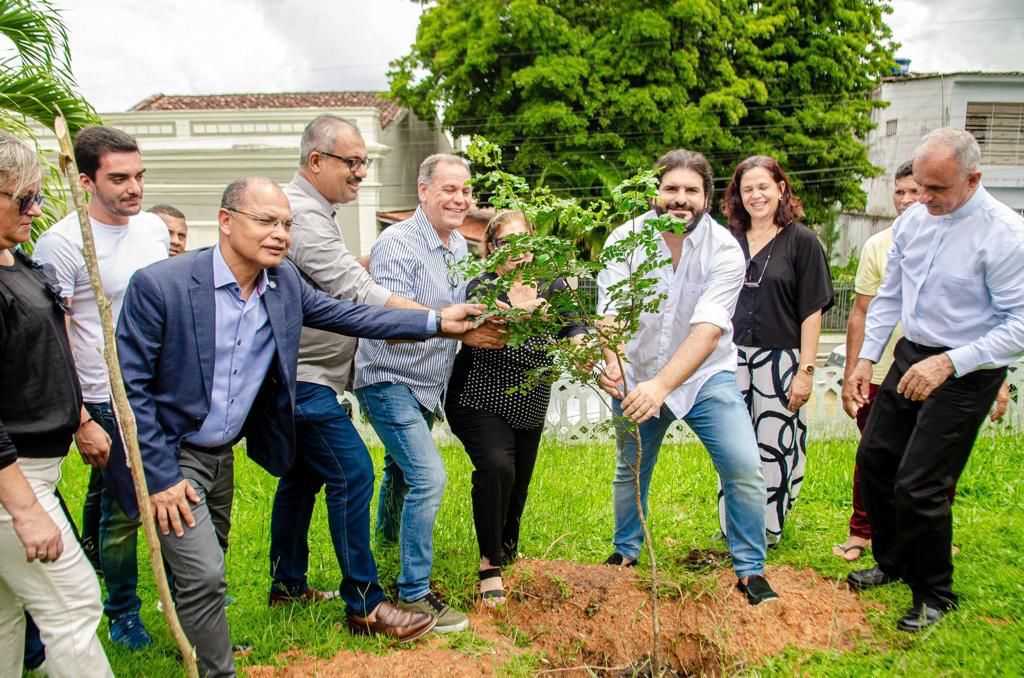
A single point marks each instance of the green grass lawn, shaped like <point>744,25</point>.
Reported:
<point>568,516</point>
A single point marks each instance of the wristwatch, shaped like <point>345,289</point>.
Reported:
<point>437,320</point>
<point>807,369</point>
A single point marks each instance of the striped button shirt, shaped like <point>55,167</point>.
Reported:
<point>410,260</point>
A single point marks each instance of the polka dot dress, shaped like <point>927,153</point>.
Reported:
<point>492,372</point>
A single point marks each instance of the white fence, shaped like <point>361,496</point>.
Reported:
<point>576,412</point>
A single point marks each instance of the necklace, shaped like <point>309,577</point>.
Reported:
<point>750,263</point>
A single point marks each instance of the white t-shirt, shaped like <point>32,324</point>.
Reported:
<point>120,251</point>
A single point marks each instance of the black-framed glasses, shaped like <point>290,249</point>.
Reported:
<point>26,201</point>
<point>353,163</point>
<point>264,220</point>
<point>453,275</point>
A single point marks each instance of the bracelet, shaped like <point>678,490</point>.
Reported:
<point>85,422</point>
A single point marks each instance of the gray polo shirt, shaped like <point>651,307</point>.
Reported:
<point>319,251</point>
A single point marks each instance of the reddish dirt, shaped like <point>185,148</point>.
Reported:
<point>597,618</point>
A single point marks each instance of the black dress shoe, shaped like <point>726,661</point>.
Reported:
<point>919,618</point>
<point>862,580</point>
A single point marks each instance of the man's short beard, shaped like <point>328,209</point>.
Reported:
<point>113,207</point>
<point>697,215</point>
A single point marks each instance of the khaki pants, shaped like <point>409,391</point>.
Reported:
<point>62,597</point>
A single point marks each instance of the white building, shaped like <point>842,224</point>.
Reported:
<point>193,146</point>
<point>989,105</point>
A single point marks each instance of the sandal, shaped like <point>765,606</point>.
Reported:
<point>844,552</point>
<point>492,598</point>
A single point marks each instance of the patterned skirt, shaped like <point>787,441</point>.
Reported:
<point>764,376</point>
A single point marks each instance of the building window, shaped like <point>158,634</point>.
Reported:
<point>890,127</point>
<point>999,129</point>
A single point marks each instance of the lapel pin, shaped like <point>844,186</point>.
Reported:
<point>272,285</point>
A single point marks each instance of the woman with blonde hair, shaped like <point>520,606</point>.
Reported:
<point>500,429</point>
<point>42,568</point>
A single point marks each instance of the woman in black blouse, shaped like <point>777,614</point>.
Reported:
<point>42,568</point>
<point>501,430</point>
<point>777,323</point>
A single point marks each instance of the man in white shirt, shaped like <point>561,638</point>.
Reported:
<point>126,240</point>
<point>682,364</point>
<point>954,283</point>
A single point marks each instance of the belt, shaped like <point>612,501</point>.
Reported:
<point>926,349</point>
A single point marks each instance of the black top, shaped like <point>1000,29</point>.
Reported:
<point>42,400</point>
<point>481,378</point>
<point>795,284</point>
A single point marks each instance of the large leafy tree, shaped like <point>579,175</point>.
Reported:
<point>581,95</point>
<point>35,81</point>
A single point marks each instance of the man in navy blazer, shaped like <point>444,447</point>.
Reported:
<point>208,344</point>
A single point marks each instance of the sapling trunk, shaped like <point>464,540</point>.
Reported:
<point>125,417</point>
<point>634,431</point>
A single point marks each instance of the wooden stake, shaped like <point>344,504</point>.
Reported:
<point>125,417</point>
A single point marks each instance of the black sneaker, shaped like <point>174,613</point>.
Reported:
<point>620,560</point>
<point>757,590</point>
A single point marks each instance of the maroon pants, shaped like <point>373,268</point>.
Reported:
<point>860,526</point>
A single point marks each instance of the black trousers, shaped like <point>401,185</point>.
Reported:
<point>911,453</point>
<point>503,460</point>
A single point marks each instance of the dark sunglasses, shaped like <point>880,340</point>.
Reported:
<point>25,202</point>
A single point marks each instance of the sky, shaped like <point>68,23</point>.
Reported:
<point>125,50</point>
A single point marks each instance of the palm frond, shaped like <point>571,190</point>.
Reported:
<point>33,92</point>
<point>38,34</point>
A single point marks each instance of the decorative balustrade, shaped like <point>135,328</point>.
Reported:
<point>577,412</point>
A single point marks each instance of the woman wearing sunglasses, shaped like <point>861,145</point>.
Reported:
<point>501,430</point>
<point>777,324</point>
<point>42,568</point>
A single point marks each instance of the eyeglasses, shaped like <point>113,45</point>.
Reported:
<point>25,202</point>
<point>453,275</point>
<point>750,264</point>
<point>499,242</point>
<point>263,220</point>
<point>353,163</point>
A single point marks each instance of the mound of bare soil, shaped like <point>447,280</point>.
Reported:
<point>597,618</point>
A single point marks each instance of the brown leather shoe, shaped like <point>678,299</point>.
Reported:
<point>393,622</point>
<point>310,595</point>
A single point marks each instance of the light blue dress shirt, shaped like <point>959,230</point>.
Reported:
<point>244,348</point>
<point>956,281</point>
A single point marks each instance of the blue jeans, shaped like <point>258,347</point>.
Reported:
<point>118,533</point>
<point>330,454</point>
<point>412,485</point>
<point>720,420</point>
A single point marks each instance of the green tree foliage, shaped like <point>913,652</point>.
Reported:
<point>36,81</point>
<point>581,95</point>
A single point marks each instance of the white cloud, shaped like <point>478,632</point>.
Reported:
<point>950,35</point>
<point>126,50</point>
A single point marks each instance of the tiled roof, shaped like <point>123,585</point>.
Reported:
<point>389,110</point>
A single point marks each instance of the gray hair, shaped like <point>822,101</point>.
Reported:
<point>962,145</point>
<point>321,134</point>
<point>429,166</point>
<point>19,164</point>
<point>236,192</point>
